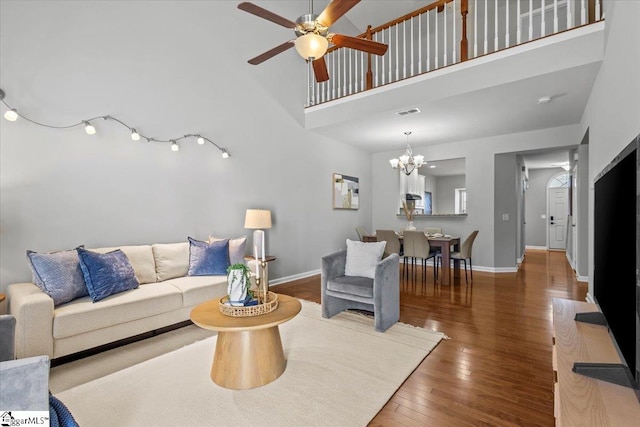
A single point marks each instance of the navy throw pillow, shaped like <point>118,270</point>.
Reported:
<point>208,259</point>
<point>106,274</point>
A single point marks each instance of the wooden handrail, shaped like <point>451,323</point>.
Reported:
<point>439,5</point>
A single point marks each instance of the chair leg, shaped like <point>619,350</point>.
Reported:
<point>471,268</point>
<point>465,271</point>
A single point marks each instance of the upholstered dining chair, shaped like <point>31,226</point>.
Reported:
<point>393,242</point>
<point>416,246</point>
<point>362,231</point>
<point>379,293</point>
<point>464,254</point>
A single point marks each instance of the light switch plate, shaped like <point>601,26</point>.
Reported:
<point>505,217</point>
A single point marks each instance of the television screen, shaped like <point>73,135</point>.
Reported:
<point>614,281</point>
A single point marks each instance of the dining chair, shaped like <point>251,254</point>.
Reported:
<point>464,254</point>
<point>362,231</point>
<point>416,245</point>
<point>433,230</point>
<point>393,242</point>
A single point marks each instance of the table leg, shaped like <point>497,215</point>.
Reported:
<point>446,276</point>
<point>248,359</point>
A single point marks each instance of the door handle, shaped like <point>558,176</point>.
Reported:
<point>553,223</point>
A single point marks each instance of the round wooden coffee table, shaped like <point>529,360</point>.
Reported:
<point>248,351</point>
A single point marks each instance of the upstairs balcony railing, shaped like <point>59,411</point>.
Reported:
<point>443,33</point>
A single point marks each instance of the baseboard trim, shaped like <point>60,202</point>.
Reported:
<point>537,248</point>
<point>281,280</point>
<point>582,278</point>
<point>589,298</point>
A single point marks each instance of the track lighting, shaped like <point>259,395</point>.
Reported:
<point>12,115</point>
<point>88,127</point>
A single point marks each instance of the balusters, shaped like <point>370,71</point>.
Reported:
<point>569,14</point>
<point>530,20</point>
<point>454,54</point>
<point>495,30</point>
<point>404,50</point>
<point>428,43</point>
<point>445,36</point>
<point>506,34</point>
<point>543,31</point>
<point>519,30</point>
<point>598,11</point>
<point>436,46</point>
<point>397,55</point>
<point>583,12</point>
<point>475,28</point>
<point>555,16</point>
<point>420,44</point>
<point>411,34</point>
<point>486,27</point>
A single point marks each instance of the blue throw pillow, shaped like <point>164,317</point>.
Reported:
<point>58,274</point>
<point>106,274</point>
<point>208,259</point>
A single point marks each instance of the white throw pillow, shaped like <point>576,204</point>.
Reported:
<point>362,258</point>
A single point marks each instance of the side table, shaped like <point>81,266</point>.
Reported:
<point>248,350</point>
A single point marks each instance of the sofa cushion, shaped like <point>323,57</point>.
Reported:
<point>58,274</point>
<point>237,248</point>
<point>208,259</point>
<point>106,274</point>
<point>362,258</point>
<point>197,289</point>
<point>141,259</point>
<point>82,315</point>
<point>172,260</point>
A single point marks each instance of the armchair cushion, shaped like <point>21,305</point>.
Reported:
<point>362,258</point>
<point>353,285</point>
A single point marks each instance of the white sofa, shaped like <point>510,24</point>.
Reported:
<point>165,297</point>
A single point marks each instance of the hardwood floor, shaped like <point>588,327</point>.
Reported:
<point>495,370</point>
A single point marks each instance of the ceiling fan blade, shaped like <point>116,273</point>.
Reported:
<point>320,70</point>
<point>365,45</point>
<point>335,10</point>
<point>271,53</point>
<point>265,14</point>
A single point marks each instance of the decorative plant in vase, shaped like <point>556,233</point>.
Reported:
<point>238,281</point>
<point>408,213</point>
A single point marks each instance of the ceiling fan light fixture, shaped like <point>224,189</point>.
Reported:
<point>311,45</point>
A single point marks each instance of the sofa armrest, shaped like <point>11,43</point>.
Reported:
<point>33,310</point>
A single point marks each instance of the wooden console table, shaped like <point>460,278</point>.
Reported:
<point>580,400</point>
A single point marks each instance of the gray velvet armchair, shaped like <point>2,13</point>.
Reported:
<point>380,295</point>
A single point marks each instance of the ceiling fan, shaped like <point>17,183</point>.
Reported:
<point>313,36</point>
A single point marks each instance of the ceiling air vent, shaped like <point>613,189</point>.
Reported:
<point>411,111</point>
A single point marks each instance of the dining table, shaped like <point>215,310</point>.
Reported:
<point>447,244</point>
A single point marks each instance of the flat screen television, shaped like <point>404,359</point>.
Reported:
<point>616,261</point>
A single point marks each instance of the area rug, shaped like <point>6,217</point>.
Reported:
<point>340,372</point>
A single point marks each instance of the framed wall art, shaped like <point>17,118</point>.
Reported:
<point>346,192</point>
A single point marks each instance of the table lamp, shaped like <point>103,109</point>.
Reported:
<point>258,219</point>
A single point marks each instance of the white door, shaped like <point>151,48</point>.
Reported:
<point>558,207</point>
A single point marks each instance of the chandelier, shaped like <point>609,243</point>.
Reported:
<point>407,163</point>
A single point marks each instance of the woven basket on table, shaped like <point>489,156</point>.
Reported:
<point>263,307</point>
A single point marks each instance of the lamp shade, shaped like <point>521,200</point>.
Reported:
<point>257,219</point>
<point>311,45</point>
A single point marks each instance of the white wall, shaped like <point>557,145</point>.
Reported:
<point>612,114</point>
<point>167,68</point>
